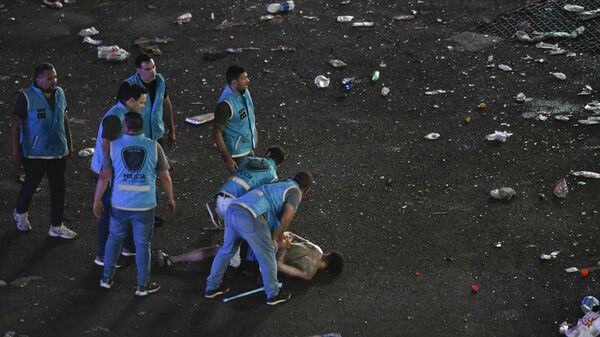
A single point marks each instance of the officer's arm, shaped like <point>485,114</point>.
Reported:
<point>101,186</point>
<point>167,185</point>
<point>286,218</point>
<point>222,115</point>
<point>168,119</point>
<point>68,134</point>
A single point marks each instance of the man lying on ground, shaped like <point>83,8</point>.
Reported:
<point>297,257</point>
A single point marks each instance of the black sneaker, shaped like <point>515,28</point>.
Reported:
<point>148,288</point>
<point>221,290</point>
<point>283,296</point>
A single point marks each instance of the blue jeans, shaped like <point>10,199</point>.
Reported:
<point>142,223</point>
<point>240,224</point>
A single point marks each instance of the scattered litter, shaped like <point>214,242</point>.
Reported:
<point>404,17</point>
<point>561,118</point>
<point>282,7</point>
<point>151,45</point>
<point>544,45</point>
<point>200,119</point>
<point>589,303</point>
<point>89,40</point>
<point>587,90</point>
<point>322,81</point>
<point>88,151</point>
<point>385,91</point>
<point>500,136</point>
<point>337,63</point>
<point>586,174</point>
<point>522,98</point>
<point>584,272</point>
<point>184,18</point>
<point>152,7</point>
<point>475,288</point>
<point>88,32</point>
<point>503,193</point>
<point>363,24</point>
<point>2,283</point>
<point>590,120</point>
<point>574,8</point>
<point>23,281</point>
<point>587,326</point>
<point>498,244</point>
<point>504,67</point>
<point>595,105</point>
<point>541,60</point>
<point>266,17</point>
<point>228,24</point>
<point>561,189</point>
<point>435,92</point>
<point>112,53</point>
<point>344,18</point>
<point>96,329</point>
<point>417,273</point>
<point>551,256</point>
<point>572,269</point>
<point>559,76</point>
<point>432,136</point>
<point>375,76</point>
<point>571,54</point>
<point>282,48</point>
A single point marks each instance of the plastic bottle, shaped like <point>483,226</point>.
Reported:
<point>281,7</point>
<point>375,76</point>
<point>113,53</point>
<point>588,303</point>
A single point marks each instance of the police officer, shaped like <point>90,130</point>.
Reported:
<point>135,161</point>
<point>131,98</point>
<point>41,141</point>
<point>260,217</point>
<point>234,124</point>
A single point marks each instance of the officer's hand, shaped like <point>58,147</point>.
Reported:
<point>172,205</point>
<point>231,165</point>
<point>98,208</point>
<point>171,137</point>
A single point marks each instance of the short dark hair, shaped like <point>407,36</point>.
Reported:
<point>128,91</point>
<point>276,153</point>
<point>42,67</point>
<point>134,121</point>
<point>334,262</point>
<point>141,58</point>
<point>233,73</point>
<point>304,179</point>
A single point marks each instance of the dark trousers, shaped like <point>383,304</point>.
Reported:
<point>35,169</point>
<point>104,221</point>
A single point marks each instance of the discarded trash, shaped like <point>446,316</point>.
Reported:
<point>385,91</point>
<point>559,76</point>
<point>544,45</point>
<point>89,40</point>
<point>468,120</point>
<point>151,45</point>
<point>551,256</point>
<point>475,288</point>
<point>200,119</point>
<point>586,174</point>
<point>88,151</point>
<point>503,193</point>
<point>417,273</point>
<point>584,272</point>
<point>572,270</point>
<point>500,136</point>
<point>595,105</point>
<point>266,17</point>
<point>322,81</point>
<point>561,118</point>
<point>282,7</point>
<point>522,98</point>
<point>577,31</point>
<point>363,24</point>
<point>345,18</point>
<point>228,24</point>
<point>88,32</point>
<point>435,92</point>
<point>112,53</point>
<point>561,189</point>
<point>375,76</point>
<point>504,67</point>
<point>482,106</point>
<point>590,120</point>
<point>404,17</point>
<point>280,48</point>
<point>337,63</point>
<point>23,281</point>
<point>587,326</point>
<point>588,303</point>
<point>432,136</point>
<point>184,18</point>
<point>542,116</point>
<point>498,244</point>
<point>574,8</point>
<point>587,90</point>
<point>2,283</point>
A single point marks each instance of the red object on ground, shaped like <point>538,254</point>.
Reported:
<point>474,288</point>
<point>584,272</point>
<point>418,273</point>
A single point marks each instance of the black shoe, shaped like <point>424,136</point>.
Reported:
<point>148,288</point>
<point>221,290</point>
<point>159,220</point>
<point>283,296</point>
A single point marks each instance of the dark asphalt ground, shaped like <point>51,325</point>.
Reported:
<point>393,203</point>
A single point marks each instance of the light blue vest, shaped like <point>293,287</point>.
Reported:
<point>154,127</point>
<point>240,132</point>
<point>268,199</point>
<point>134,160</point>
<point>43,131</point>
<point>246,177</point>
<point>118,110</point>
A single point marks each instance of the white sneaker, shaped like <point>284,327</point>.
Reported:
<point>22,221</point>
<point>61,231</point>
